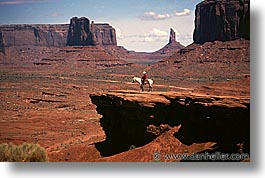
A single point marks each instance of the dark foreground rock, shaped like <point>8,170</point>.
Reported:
<point>128,117</point>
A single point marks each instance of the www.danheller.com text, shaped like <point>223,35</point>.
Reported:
<point>206,156</point>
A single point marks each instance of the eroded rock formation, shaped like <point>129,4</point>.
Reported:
<point>105,34</point>
<point>82,33</point>
<point>2,49</point>
<point>172,47</point>
<point>216,60</point>
<point>128,116</point>
<point>222,20</point>
<point>37,35</point>
<point>79,33</point>
<point>172,37</point>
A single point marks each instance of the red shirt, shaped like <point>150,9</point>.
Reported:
<point>144,77</point>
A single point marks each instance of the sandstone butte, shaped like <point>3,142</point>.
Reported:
<point>67,87</point>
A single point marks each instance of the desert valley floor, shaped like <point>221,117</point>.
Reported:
<point>46,99</point>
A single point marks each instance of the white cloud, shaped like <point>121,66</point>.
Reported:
<point>156,33</point>
<point>147,39</point>
<point>186,36</point>
<point>55,14</point>
<point>136,33</point>
<point>118,33</point>
<point>154,16</point>
<point>183,13</point>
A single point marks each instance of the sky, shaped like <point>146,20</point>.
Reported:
<point>141,25</point>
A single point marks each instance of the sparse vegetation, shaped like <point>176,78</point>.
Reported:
<point>22,153</point>
<point>132,147</point>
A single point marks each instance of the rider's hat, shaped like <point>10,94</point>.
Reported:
<point>144,72</point>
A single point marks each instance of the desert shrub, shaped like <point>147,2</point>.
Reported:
<point>22,153</point>
<point>132,147</point>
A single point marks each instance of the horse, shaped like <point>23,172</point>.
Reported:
<point>147,81</point>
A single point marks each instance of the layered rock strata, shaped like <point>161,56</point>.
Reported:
<point>80,32</point>
<point>127,115</point>
<point>222,20</point>
<point>37,35</point>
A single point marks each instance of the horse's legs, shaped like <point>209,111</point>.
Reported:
<point>150,88</point>
<point>142,87</point>
<point>142,84</point>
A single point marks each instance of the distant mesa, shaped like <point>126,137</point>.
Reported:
<point>215,20</point>
<point>221,20</point>
<point>35,34</point>
<point>82,33</point>
<point>78,33</point>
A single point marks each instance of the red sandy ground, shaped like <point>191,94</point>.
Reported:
<point>50,104</point>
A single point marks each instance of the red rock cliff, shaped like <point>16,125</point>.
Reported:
<point>78,33</point>
<point>82,33</point>
<point>222,20</point>
<point>37,35</point>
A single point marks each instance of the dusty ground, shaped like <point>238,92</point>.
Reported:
<point>50,104</point>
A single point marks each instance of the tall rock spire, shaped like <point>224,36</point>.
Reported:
<point>172,36</point>
<point>2,49</point>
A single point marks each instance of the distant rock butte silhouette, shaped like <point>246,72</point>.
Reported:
<point>82,33</point>
<point>222,20</point>
<point>78,33</point>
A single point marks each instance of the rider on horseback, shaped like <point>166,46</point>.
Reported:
<point>144,77</point>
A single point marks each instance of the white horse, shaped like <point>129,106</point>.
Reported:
<point>147,81</point>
